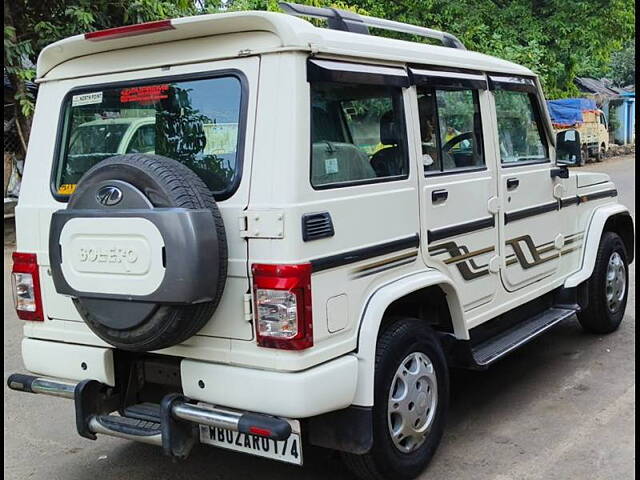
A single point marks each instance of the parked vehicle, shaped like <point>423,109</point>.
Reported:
<point>581,114</point>
<point>321,224</point>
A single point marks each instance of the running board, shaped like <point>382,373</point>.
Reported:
<point>497,347</point>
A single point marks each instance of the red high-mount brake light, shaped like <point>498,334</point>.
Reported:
<point>129,30</point>
<point>282,297</point>
<point>25,280</point>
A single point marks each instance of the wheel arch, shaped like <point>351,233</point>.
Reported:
<point>399,297</point>
<point>608,218</point>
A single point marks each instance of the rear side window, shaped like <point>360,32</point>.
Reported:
<point>450,129</point>
<point>195,122</point>
<point>520,133</point>
<point>358,134</point>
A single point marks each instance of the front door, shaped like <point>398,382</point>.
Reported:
<point>530,230</point>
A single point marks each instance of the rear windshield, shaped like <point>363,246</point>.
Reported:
<point>195,122</point>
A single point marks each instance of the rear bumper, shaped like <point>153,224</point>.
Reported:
<point>172,425</point>
<point>325,388</point>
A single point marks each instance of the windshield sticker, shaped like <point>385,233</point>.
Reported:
<point>149,93</point>
<point>67,188</point>
<point>86,99</point>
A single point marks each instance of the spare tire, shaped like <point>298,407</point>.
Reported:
<point>178,205</point>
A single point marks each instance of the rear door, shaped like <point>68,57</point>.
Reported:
<point>531,223</point>
<point>202,118</point>
<point>458,187</point>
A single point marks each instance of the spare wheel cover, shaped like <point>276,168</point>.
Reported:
<point>141,249</point>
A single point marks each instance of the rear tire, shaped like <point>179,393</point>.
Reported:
<point>608,287</point>
<point>409,357</point>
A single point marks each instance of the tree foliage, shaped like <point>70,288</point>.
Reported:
<point>29,26</point>
<point>623,66</point>
<point>558,40</point>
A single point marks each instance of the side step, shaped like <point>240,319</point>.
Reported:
<point>126,427</point>
<point>496,347</point>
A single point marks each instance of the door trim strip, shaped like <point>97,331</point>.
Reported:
<point>460,228</point>
<point>612,192</point>
<point>531,211</point>
<point>353,256</point>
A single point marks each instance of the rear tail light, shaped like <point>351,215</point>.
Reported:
<point>129,30</point>
<point>25,280</point>
<point>282,295</point>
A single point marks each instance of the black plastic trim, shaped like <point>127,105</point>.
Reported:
<point>360,183</point>
<point>21,382</point>
<point>512,83</point>
<point>326,231</point>
<point>566,202</point>
<point>319,70</point>
<point>531,211</point>
<point>279,429</point>
<point>178,438</point>
<point>348,430</point>
<point>353,256</point>
<point>182,230</point>
<point>242,121</point>
<point>448,80</point>
<point>460,229</point>
<point>455,171</point>
<point>612,192</point>
<point>525,163</point>
<point>92,398</point>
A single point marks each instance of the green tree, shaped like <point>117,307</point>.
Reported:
<point>623,66</point>
<point>29,26</point>
<point>558,40</point>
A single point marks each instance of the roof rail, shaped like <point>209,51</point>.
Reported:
<point>355,23</point>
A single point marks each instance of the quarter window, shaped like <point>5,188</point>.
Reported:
<point>358,134</point>
<point>520,134</point>
<point>450,129</point>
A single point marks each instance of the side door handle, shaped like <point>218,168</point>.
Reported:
<point>512,183</point>
<point>439,196</point>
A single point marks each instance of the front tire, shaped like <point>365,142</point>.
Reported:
<point>411,400</point>
<point>584,156</point>
<point>608,287</point>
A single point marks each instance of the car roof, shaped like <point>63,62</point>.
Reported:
<point>292,33</point>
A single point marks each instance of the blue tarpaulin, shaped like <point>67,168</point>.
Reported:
<point>568,111</point>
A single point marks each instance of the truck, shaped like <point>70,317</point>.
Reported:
<point>582,115</point>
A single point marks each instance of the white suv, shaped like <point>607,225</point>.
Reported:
<point>328,222</point>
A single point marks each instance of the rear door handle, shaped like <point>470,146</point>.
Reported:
<point>439,196</point>
<point>512,183</point>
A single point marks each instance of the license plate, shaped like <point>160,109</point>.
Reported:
<point>289,450</point>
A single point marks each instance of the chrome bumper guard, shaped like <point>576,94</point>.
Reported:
<point>173,425</point>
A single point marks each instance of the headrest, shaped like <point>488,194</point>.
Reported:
<point>388,129</point>
<point>323,128</point>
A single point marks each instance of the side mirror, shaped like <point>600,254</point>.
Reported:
<point>568,145</point>
<point>561,171</point>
